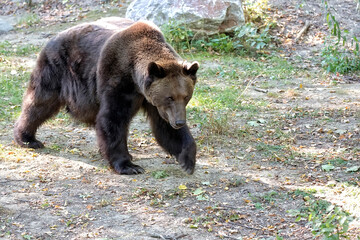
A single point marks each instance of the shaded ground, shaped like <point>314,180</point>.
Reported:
<point>253,160</point>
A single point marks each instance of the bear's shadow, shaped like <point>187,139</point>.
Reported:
<point>77,142</point>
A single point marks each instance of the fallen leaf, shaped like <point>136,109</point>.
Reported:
<point>353,169</point>
<point>89,207</point>
<point>253,123</point>
<point>198,191</point>
<point>340,131</point>
<point>327,167</point>
<point>341,137</point>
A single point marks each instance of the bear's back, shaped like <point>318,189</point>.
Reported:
<point>71,57</point>
<point>87,37</point>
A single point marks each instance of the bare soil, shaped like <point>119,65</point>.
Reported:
<point>67,191</point>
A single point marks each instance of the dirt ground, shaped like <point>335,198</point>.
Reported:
<point>67,191</point>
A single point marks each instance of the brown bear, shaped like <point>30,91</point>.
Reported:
<point>104,72</point>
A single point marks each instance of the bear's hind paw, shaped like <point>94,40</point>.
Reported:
<point>31,144</point>
<point>35,144</point>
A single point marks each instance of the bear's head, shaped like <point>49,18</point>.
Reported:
<point>169,87</point>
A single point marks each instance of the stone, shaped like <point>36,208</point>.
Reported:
<point>209,16</point>
<point>5,25</point>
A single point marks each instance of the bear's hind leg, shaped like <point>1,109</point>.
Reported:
<point>36,109</point>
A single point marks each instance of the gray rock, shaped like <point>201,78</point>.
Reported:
<point>5,24</point>
<point>210,16</point>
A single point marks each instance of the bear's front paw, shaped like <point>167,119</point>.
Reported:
<point>126,167</point>
<point>187,159</point>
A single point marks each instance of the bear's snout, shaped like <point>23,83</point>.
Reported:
<point>180,123</point>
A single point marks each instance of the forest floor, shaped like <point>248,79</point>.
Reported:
<point>278,140</point>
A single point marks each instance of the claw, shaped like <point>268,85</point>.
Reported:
<point>187,159</point>
<point>28,142</point>
<point>127,168</point>
<point>190,171</point>
<point>34,144</point>
<point>188,167</point>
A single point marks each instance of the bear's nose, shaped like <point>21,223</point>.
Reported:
<point>180,123</point>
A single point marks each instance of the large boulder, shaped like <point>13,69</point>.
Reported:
<point>209,16</point>
<point>5,24</point>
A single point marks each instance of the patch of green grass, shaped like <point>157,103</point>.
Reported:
<point>225,98</point>
<point>215,124</point>
<point>271,196</point>
<point>277,152</point>
<point>8,49</point>
<point>27,236</point>
<point>220,92</point>
<point>258,206</point>
<point>267,148</point>
<point>55,147</point>
<point>216,98</point>
<point>326,220</point>
<point>340,60</point>
<point>159,174</point>
<point>14,77</point>
<point>272,68</point>
<point>104,202</point>
<point>337,162</point>
<point>12,85</point>
<point>97,14</point>
<point>273,95</point>
<point>29,20</point>
<point>232,69</point>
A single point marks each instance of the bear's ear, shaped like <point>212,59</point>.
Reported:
<point>191,69</point>
<point>155,70</point>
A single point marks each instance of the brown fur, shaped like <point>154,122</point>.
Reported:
<point>103,73</point>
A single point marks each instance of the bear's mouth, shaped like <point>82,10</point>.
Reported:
<point>173,125</point>
<point>165,115</point>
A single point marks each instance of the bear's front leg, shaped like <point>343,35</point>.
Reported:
<point>112,126</point>
<point>187,156</point>
<point>178,142</point>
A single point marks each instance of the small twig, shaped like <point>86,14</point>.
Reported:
<point>226,236</point>
<point>245,226</point>
<point>18,216</point>
<point>247,86</point>
<point>261,90</point>
<point>303,31</point>
<point>226,207</point>
<point>253,228</point>
<point>11,180</point>
<point>181,235</point>
<point>156,235</point>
